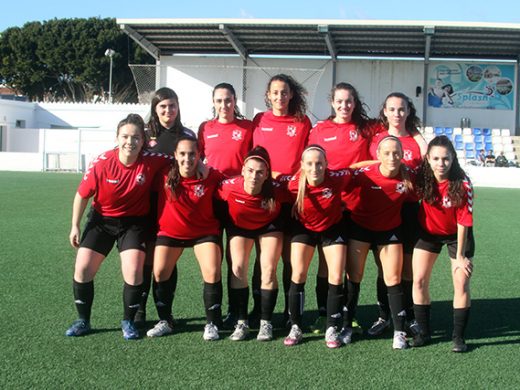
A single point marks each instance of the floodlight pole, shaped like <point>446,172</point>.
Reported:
<point>110,53</point>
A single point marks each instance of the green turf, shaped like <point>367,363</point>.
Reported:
<point>37,307</point>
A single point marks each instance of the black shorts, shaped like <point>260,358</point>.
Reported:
<point>220,209</point>
<point>433,243</point>
<point>277,225</point>
<point>410,226</point>
<point>179,243</point>
<point>285,215</point>
<point>100,233</point>
<point>334,235</point>
<point>386,237</point>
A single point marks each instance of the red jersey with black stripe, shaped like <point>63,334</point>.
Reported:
<point>342,142</point>
<point>250,211</point>
<point>411,151</point>
<point>189,214</point>
<point>322,204</point>
<point>380,198</point>
<point>283,137</point>
<point>224,146</point>
<point>119,190</point>
<point>441,217</point>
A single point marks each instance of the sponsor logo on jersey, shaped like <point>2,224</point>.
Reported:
<point>140,179</point>
<point>446,202</point>
<point>400,187</point>
<point>212,136</point>
<point>353,135</point>
<point>240,201</point>
<point>199,190</point>
<point>112,181</point>
<point>266,128</point>
<point>407,155</point>
<point>291,131</point>
<point>330,139</point>
<point>326,193</point>
<point>237,135</point>
<point>394,238</point>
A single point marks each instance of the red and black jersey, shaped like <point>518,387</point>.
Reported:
<point>250,211</point>
<point>189,214</point>
<point>342,142</point>
<point>119,190</point>
<point>322,205</point>
<point>283,137</point>
<point>412,156</point>
<point>224,146</point>
<point>380,198</point>
<point>441,217</point>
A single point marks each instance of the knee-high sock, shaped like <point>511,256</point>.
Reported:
<point>212,296</point>
<point>296,302</point>
<point>460,321</point>
<point>396,302</point>
<point>147,283</point>
<point>268,303</point>
<point>422,315</point>
<point>83,298</point>
<point>334,305</point>
<point>322,288</point>
<point>256,281</point>
<point>351,304</point>
<point>164,300</point>
<point>382,298</point>
<point>240,298</point>
<point>131,299</point>
<point>408,299</point>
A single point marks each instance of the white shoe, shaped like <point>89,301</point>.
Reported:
<point>241,331</point>
<point>399,340</point>
<point>295,336</point>
<point>332,337</point>
<point>265,332</point>
<point>345,336</point>
<point>210,332</point>
<point>162,328</point>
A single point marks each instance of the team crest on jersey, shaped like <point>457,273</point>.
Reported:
<point>327,193</point>
<point>199,190</point>
<point>400,188</point>
<point>407,155</point>
<point>237,135</point>
<point>446,202</point>
<point>140,179</point>
<point>291,131</point>
<point>353,135</point>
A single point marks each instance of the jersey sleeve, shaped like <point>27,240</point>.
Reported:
<point>200,136</point>
<point>465,211</point>
<point>88,185</point>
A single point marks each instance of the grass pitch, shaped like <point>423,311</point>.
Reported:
<point>37,307</point>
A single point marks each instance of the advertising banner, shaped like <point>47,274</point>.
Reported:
<point>471,85</point>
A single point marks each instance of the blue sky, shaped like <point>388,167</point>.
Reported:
<point>17,13</point>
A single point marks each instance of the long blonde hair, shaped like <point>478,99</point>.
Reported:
<point>403,169</point>
<point>302,184</point>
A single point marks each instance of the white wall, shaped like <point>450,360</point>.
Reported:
<point>12,111</point>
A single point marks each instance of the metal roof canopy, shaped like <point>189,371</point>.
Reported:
<point>333,38</point>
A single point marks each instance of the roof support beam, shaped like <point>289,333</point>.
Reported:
<point>233,40</point>
<point>149,47</point>
<point>323,29</point>
<point>428,33</point>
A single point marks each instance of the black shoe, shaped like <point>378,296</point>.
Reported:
<point>421,339</point>
<point>459,345</point>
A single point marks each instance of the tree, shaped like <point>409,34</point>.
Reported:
<point>64,60</point>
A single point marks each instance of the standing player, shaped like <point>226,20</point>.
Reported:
<point>398,118</point>
<point>445,217</point>
<point>283,131</point>
<point>120,182</point>
<point>163,130</point>
<point>254,208</point>
<point>224,142</point>
<point>318,221</point>
<point>376,220</point>
<point>345,136</point>
<point>186,219</point>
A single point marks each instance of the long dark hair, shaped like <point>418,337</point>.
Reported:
<point>359,114</point>
<point>298,103</point>
<point>426,183</point>
<point>231,90</point>
<point>412,121</point>
<point>174,177</point>
<point>154,126</point>
<point>259,153</point>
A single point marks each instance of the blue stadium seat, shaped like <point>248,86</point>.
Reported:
<point>488,139</point>
<point>489,146</point>
<point>470,154</point>
<point>469,146</point>
<point>458,138</point>
<point>448,130</point>
<point>459,145</point>
<point>486,131</point>
<point>477,131</point>
<point>439,131</point>
<point>479,146</point>
<point>478,138</point>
